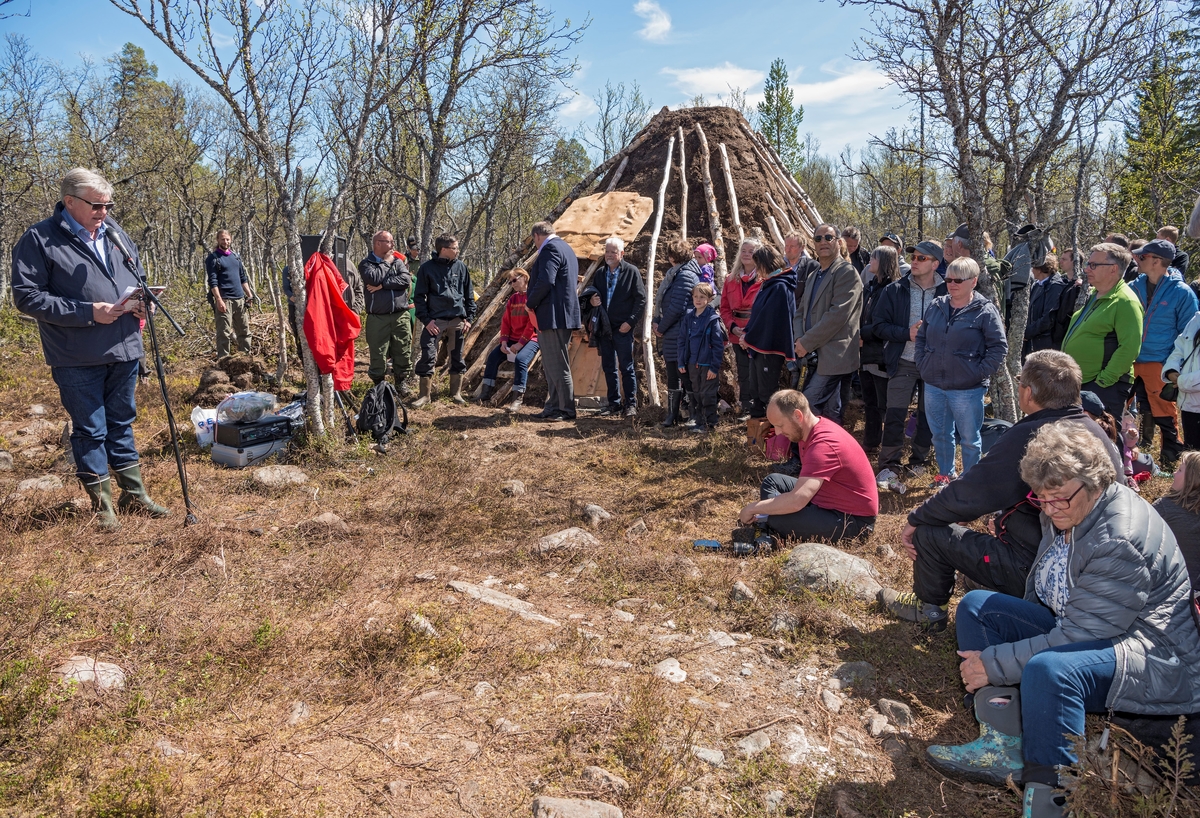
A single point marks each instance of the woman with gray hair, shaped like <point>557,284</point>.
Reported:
<point>1106,624</point>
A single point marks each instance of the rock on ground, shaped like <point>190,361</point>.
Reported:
<point>274,477</point>
<point>670,670</point>
<point>421,625</point>
<point>567,538</point>
<point>605,781</point>
<point>898,713</point>
<point>595,515</point>
<point>636,530</point>
<point>773,801</point>
<point>300,713</point>
<point>831,700</point>
<point>326,523</point>
<point>849,674</point>
<point>546,807</point>
<point>47,482</point>
<point>709,756</point>
<point>512,488</point>
<point>754,744</point>
<point>6,461</point>
<point>503,601</point>
<point>741,592</point>
<point>816,567</point>
<point>88,670</point>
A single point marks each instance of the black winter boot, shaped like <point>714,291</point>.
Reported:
<point>674,397</point>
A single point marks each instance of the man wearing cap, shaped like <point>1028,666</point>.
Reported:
<point>896,319</point>
<point>1169,305</point>
<point>1105,336</point>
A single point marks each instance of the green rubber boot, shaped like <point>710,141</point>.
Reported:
<point>100,493</point>
<point>133,493</point>
<point>996,754</point>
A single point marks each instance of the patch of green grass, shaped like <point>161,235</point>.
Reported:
<point>140,791</point>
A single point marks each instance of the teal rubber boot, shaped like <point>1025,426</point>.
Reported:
<point>996,754</point>
<point>100,493</point>
<point>133,493</point>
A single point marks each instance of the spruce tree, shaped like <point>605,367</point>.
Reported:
<point>779,117</point>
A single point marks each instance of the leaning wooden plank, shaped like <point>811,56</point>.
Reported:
<point>775,231</point>
<point>783,216</point>
<point>481,359</point>
<point>803,199</point>
<point>714,216</point>
<point>796,197</point>
<point>737,219</point>
<point>647,346</point>
<point>617,176</point>
<point>481,320</point>
<point>683,185</point>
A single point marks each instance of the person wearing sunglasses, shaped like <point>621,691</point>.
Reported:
<point>961,343</point>
<point>1105,335</point>
<point>1106,624</point>
<point>69,272</point>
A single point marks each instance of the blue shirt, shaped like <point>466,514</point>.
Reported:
<point>96,245</point>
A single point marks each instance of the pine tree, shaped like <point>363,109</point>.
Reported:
<point>779,117</point>
<point>1161,153</point>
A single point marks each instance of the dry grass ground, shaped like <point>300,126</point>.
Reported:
<point>273,669</point>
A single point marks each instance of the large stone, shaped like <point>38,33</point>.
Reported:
<point>6,461</point>
<point>47,482</point>
<point>567,538</point>
<point>595,515</point>
<point>831,700</point>
<point>88,670</point>
<point>816,567</point>
<point>275,477</point>
<point>604,781</point>
<point>546,807</point>
<point>716,758</point>
<point>503,601</point>
<point>774,800</point>
<point>326,523</point>
<point>754,744</point>
<point>512,488</point>
<point>741,592</point>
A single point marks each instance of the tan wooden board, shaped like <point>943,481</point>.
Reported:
<point>590,220</point>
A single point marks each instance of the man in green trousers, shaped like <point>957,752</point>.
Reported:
<point>386,282</point>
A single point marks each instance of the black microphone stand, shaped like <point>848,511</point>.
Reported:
<point>148,299</point>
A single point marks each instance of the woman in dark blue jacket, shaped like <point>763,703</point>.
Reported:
<point>672,301</point>
<point>884,269</point>
<point>960,345</point>
<point>768,338</point>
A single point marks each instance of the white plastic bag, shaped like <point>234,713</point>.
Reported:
<point>245,407</point>
<point>205,421</point>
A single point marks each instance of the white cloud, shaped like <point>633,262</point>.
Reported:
<point>579,107</point>
<point>658,22</point>
<point>715,80</point>
<point>222,40</point>
<point>845,85</point>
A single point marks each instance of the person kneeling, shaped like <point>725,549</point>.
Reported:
<point>701,350</point>
<point>1106,623</point>
<point>834,497</point>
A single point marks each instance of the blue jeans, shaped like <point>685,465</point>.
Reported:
<point>616,359</point>
<point>951,410</point>
<point>520,366</point>
<point>100,401</point>
<point>824,394</point>
<point>1058,686</point>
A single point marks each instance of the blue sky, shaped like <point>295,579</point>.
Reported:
<point>673,49</point>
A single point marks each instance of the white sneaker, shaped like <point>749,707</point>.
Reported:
<point>885,476</point>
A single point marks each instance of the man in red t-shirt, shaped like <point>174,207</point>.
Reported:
<point>836,494</point>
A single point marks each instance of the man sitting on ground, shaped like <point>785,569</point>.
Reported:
<point>1048,391</point>
<point>835,495</point>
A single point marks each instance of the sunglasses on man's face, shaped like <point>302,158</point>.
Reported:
<point>919,257</point>
<point>97,206</point>
<point>822,238</point>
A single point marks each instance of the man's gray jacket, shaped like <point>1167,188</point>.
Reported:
<point>56,279</point>
<point>836,307</point>
<point>1128,583</point>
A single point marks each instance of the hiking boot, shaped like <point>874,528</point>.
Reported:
<point>514,406</point>
<point>996,754</point>
<point>630,411</point>
<point>424,393</point>
<point>609,410</point>
<point>907,606</point>
<point>133,493</point>
<point>101,495</point>
<point>485,393</point>
<point>405,387</point>
<point>1043,801</point>
<point>456,394</point>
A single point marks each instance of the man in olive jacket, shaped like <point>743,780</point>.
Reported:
<point>827,322</point>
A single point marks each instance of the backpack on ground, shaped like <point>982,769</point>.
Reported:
<point>380,413</point>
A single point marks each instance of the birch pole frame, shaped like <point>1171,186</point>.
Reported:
<point>683,204</point>
<point>714,216</point>
<point>737,219</point>
<point>647,319</point>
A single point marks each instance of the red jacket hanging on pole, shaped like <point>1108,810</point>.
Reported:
<point>329,325</point>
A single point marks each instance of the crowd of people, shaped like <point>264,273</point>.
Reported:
<point>1083,599</point>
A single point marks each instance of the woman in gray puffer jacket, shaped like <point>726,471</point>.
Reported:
<point>1106,624</point>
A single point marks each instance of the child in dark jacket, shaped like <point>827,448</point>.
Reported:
<point>701,351</point>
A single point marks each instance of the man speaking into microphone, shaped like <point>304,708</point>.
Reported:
<point>70,272</point>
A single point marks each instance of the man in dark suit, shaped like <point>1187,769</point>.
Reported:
<point>621,293</point>
<point>554,301</point>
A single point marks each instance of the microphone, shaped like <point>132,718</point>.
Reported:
<point>116,242</point>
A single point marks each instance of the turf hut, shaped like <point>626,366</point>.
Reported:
<point>699,174</point>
